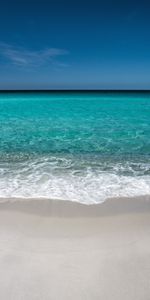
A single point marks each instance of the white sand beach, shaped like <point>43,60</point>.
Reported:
<point>64,250</point>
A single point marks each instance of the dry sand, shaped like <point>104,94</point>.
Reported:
<point>64,250</point>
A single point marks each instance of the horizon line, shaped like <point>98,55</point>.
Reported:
<point>72,90</point>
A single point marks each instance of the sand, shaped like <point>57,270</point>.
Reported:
<point>64,250</point>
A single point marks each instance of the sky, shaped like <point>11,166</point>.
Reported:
<point>62,44</point>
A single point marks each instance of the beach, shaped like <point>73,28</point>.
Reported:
<point>74,196</point>
<point>74,150</point>
<point>66,250</point>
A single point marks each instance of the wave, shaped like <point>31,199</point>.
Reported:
<point>72,179</point>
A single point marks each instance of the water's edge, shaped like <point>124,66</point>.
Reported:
<point>64,208</point>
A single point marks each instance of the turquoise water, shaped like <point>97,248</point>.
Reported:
<point>75,146</point>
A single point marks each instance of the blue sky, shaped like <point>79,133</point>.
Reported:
<point>61,44</point>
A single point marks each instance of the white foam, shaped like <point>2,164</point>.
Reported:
<point>59,178</point>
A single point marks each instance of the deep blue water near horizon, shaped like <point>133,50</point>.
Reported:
<point>84,147</point>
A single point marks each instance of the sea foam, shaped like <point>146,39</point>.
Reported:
<point>59,178</point>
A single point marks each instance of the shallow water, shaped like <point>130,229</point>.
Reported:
<point>83,147</point>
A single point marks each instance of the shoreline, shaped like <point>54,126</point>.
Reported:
<point>66,250</point>
<point>67,208</point>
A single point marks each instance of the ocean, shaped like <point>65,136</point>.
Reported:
<point>84,147</point>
